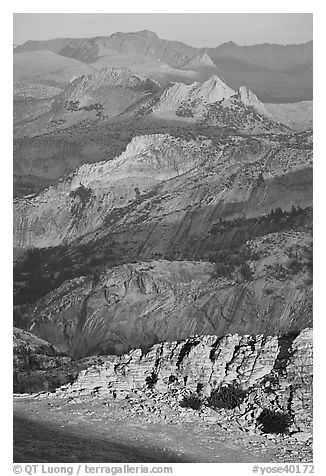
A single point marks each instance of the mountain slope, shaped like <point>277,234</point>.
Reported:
<point>298,116</point>
<point>105,94</point>
<point>265,56</point>
<point>83,202</point>
<point>112,93</point>
<point>164,197</point>
<point>137,305</point>
<point>214,103</point>
<point>286,58</point>
<point>170,205</point>
<point>275,73</point>
<point>151,67</point>
<point>201,63</point>
<point>48,68</point>
<point>32,100</point>
<point>88,50</point>
<point>211,91</point>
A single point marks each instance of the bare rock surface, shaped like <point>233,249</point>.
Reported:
<point>135,395</point>
<point>214,103</point>
<point>276,372</point>
<point>165,197</point>
<point>138,305</point>
<point>222,179</point>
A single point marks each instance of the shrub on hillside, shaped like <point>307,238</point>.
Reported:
<point>151,380</point>
<point>228,397</point>
<point>82,192</point>
<point>246,272</point>
<point>191,401</point>
<point>295,265</point>
<point>274,421</point>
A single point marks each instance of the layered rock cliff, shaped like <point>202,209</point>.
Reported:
<point>273,373</point>
<point>260,381</point>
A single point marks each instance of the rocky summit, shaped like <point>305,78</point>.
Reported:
<point>163,252</point>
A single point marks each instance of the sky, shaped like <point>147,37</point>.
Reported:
<point>196,29</point>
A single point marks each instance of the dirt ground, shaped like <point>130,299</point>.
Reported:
<point>53,430</point>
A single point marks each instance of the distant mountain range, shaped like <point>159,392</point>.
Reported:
<point>275,73</point>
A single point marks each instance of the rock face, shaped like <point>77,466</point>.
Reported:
<point>137,305</point>
<point>114,89</point>
<point>39,366</point>
<point>248,98</point>
<point>34,361</point>
<point>29,91</point>
<point>221,179</point>
<point>23,340</point>
<point>214,103</point>
<point>163,203</point>
<point>147,161</point>
<point>115,92</point>
<point>209,92</point>
<point>275,372</point>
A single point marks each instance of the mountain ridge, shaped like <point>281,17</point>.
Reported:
<point>274,65</point>
<point>152,35</point>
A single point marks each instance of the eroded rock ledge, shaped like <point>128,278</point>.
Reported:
<point>275,372</point>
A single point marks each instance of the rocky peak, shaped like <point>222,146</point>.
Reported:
<point>147,33</point>
<point>139,144</point>
<point>109,76</point>
<point>112,90</point>
<point>248,98</point>
<point>200,62</point>
<point>144,33</point>
<point>205,59</point>
<point>196,95</point>
<point>214,90</point>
